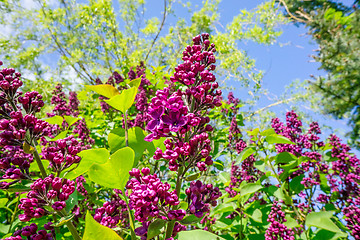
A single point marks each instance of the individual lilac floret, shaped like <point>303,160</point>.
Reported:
<point>277,230</point>
<point>201,197</point>
<point>50,191</point>
<point>32,233</point>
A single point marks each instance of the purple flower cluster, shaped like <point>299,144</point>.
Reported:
<point>113,212</point>
<point>193,152</point>
<point>63,107</point>
<point>80,185</point>
<point>14,163</point>
<point>13,130</point>
<point>179,115</point>
<point>352,214</point>
<point>246,170</point>
<point>62,153</point>
<point>306,144</point>
<point>9,84</point>
<point>32,233</point>
<point>150,197</point>
<point>18,130</point>
<point>32,102</point>
<point>293,130</point>
<point>50,191</point>
<point>201,197</point>
<point>277,230</point>
<point>145,92</point>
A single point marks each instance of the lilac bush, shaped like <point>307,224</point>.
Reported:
<point>163,171</point>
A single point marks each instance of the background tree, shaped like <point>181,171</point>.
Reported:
<point>336,29</point>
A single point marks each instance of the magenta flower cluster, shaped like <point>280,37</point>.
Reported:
<point>151,199</point>
<point>277,230</point>
<point>62,153</point>
<point>18,130</point>
<point>70,107</point>
<point>201,197</point>
<point>31,232</point>
<point>14,163</point>
<point>246,170</point>
<point>179,115</point>
<point>50,191</point>
<point>114,212</point>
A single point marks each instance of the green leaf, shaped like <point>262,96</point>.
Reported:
<point>268,132</point>
<point>115,172</point>
<point>245,154</point>
<point>276,138</point>
<point>3,202</point>
<point>88,158</point>
<point>257,216</point>
<point>155,228</point>
<point>328,235</point>
<point>71,202</point>
<point>63,220</point>
<point>71,120</point>
<point>284,157</point>
<point>322,220</point>
<point>96,231</point>
<point>193,177</point>
<point>324,183</point>
<point>224,177</point>
<point>61,135</point>
<point>260,165</point>
<point>18,188</point>
<point>123,101</point>
<point>296,185</point>
<point>28,148</point>
<point>183,205</point>
<point>253,132</point>
<point>135,83</point>
<point>191,219</point>
<point>116,140</point>
<point>105,90</point>
<point>198,235</point>
<point>54,120</point>
<point>290,222</point>
<point>249,188</point>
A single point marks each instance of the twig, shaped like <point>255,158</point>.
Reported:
<point>161,27</point>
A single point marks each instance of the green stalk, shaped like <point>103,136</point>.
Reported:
<point>170,225</point>
<point>38,161</point>
<point>70,226</point>
<point>14,213</point>
<point>131,219</point>
<point>126,129</point>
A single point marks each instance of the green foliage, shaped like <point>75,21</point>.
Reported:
<point>114,173</point>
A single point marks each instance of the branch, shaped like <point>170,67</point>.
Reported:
<point>269,106</point>
<point>157,35</point>
<point>292,16</point>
